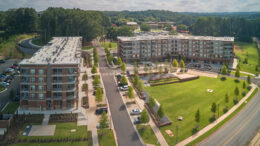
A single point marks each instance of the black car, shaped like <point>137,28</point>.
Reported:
<point>101,110</point>
<point>118,77</point>
<point>2,61</point>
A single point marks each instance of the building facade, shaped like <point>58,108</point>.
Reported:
<point>49,79</point>
<point>201,49</point>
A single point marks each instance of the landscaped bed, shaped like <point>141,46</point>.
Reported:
<point>163,81</point>
<point>11,108</point>
<point>107,139</point>
<point>106,45</point>
<point>184,99</point>
<point>147,134</point>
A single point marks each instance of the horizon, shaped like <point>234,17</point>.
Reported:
<point>190,6</point>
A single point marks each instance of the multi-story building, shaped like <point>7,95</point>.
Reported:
<point>202,49</point>
<point>49,79</point>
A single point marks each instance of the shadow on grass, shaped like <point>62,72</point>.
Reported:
<point>236,81</point>
<point>223,78</point>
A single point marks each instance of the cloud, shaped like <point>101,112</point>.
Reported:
<point>118,5</point>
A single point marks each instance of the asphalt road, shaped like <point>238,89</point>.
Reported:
<point>125,132</point>
<point>241,129</point>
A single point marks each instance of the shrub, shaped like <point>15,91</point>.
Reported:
<point>94,69</point>
<point>144,118</point>
<point>225,109</point>
<point>249,87</point>
<point>235,100</point>
<point>244,93</point>
<point>213,118</point>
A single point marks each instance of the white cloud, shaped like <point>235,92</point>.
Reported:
<point>117,5</point>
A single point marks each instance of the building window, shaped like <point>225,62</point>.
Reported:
<point>40,88</point>
<point>24,71</point>
<point>32,96</point>
<point>40,80</point>
<point>32,80</point>
<point>40,96</point>
<point>32,87</point>
<point>32,71</point>
<point>40,71</point>
<point>70,70</point>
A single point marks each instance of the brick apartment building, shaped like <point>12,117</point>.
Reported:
<point>200,49</point>
<point>49,79</point>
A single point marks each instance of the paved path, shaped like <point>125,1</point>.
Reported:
<point>207,128</point>
<point>125,132</point>
<point>46,119</point>
<point>256,140</point>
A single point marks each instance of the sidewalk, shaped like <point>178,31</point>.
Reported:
<point>210,126</point>
<point>156,130</point>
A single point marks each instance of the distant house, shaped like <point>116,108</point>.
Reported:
<point>156,25</point>
<point>114,25</point>
<point>134,24</point>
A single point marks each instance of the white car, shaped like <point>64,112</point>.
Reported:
<point>135,112</point>
<point>124,88</point>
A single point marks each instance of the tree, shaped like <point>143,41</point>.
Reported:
<point>96,81</point>
<point>145,67</point>
<point>236,91</point>
<point>224,70</point>
<point>94,69</point>
<point>214,107</point>
<point>110,45</point>
<point>175,63</point>
<point>99,94</point>
<point>135,68</point>
<point>119,61</point>
<point>130,93</point>
<point>145,27</point>
<point>226,98</point>
<point>123,67</point>
<point>244,85</point>
<point>182,27</point>
<point>248,79</point>
<point>182,64</point>
<point>103,121</point>
<point>237,74</point>
<point>136,79</point>
<point>144,118</point>
<point>151,102</point>
<point>197,116</point>
<point>160,112</point>
<point>123,80</point>
<point>140,85</point>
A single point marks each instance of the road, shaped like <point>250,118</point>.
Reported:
<point>241,129</point>
<point>125,132</point>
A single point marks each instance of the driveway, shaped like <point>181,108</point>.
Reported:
<point>241,129</point>
<point>125,132</point>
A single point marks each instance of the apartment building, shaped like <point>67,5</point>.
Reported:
<point>49,79</point>
<point>201,49</point>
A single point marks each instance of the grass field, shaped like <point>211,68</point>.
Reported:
<point>183,99</point>
<point>85,143</point>
<point>107,139</point>
<point>147,134</point>
<point>106,45</point>
<point>62,131</point>
<point>242,50</point>
<point>8,49</point>
<point>11,108</point>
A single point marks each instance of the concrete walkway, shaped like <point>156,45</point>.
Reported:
<point>156,130</point>
<point>46,119</point>
<point>210,126</point>
<point>256,140</point>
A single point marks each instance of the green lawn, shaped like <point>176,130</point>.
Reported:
<point>183,99</point>
<point>106,45</point>
<point>38,42</point>
<point>147,134</point>
<point>107,139</point>
<point>62,131</point>
<point>241,74</point>
<point>2,88</point>
<point>87,47</point>
<point>85,143</point>
<point>241,50</point>
<point>11,108</point>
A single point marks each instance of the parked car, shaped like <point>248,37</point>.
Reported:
<point>101,110</point>
<point>123,88</point>
<point>135,112</point>
<point>137,120</point>
<point>2,61</point>
<point>118,77</point>
<point>5,84</point>
<point>9,70</point>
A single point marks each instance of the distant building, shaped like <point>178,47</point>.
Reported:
<point>49,79</point>
<point>157,25</point>
<point>134,24</point>
<point>202,49</point>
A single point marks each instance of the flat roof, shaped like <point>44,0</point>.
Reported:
<point>157,37</point>
<point>60,50</point>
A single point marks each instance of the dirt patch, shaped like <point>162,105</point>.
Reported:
<point>238,49</point>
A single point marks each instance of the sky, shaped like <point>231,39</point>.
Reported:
<point>137,5</point>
